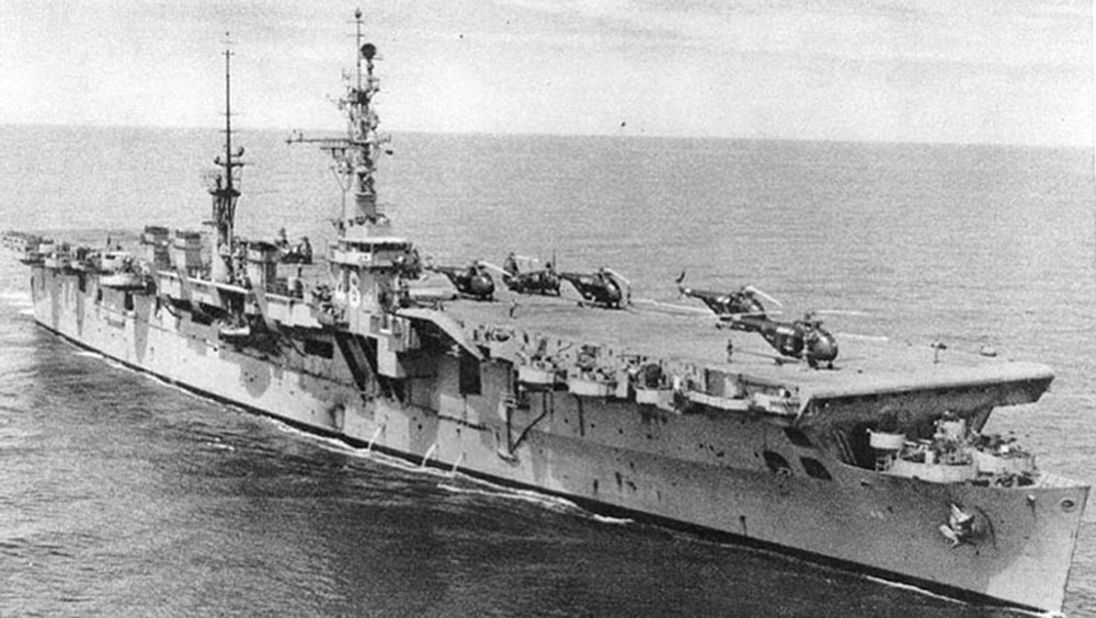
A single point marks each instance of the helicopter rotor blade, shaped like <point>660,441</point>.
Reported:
<point>748,314</point>
<point>670,307</point>
<point>618,275</point>
<point>493,267</point>
<point>852,312</point>
<point>863,337</point>
<point>776,358</point>
<point>762,294</point>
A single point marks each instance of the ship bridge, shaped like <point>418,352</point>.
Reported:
<point>370,252</point>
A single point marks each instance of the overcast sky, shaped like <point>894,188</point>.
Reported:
<point>1009,71</point>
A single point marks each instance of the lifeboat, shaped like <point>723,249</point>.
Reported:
<point>927,461</point>
<point>933,471</point>
<point>538,374</point>
<point>235,332</point>
<point>32,256</point>
<point>1008,463</point>
<point>55,256</point>
<point>590,384</point>
<point>30,248</point>
<point>885,441</point>
<point>124,280</point>
<point>114,261</point>
<point>652,387</point>
<point>59,261</point>
<point>661,397</point>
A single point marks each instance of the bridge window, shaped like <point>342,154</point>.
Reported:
<point>369,247</point>
<point>396,246</point>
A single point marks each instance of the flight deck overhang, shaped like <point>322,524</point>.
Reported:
<point>927,393</point>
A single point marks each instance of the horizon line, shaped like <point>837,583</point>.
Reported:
<point>1090,146</point>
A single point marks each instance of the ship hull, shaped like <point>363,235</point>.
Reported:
<point>703,471</point>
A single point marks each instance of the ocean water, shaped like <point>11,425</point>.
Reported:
<point>120,495</point>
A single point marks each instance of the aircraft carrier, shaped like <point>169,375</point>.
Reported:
<point>874,460</point>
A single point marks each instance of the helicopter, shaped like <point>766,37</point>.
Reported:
<point>472,281</point>
<point>727,305</point>
<point>602,288</point>
<point>525,275</point>
<point>803,339</point>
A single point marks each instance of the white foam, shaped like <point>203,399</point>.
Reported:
<point>618,521</point>
<point>910,587</point>
<point>337,445</point>
<point>660,306</point>
<point>106,359</point>
<point>492,490</point>
<point>919,590</point>
<point>173,386</point>
<point>113,364</point>
<point>485,488</point>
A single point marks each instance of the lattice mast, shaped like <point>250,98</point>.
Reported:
<point>224,189</point>
<point>363,129</point>
<point>356,154</point>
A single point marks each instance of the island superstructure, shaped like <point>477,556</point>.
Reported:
<point>877,463</point>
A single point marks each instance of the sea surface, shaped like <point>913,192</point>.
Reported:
<point>122,496</point>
